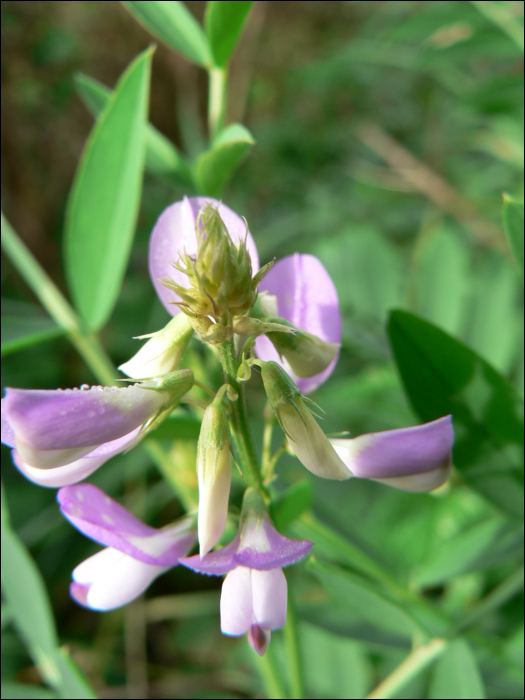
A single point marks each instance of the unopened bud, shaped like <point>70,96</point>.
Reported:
<point>306,354</point>
<point>163,351</point>
<point>304,435</point>
<point>214,475</point>
<point>244,325</point>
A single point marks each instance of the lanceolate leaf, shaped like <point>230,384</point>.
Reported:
<point>174,24</point>
<point>223,22</point>
<point>513,222</point>
<point>456,674</point>
<point>162,158</point>
<point>214,168</point>
<point>103,203</point>
<point>441,376</point>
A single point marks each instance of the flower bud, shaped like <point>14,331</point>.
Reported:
<point>214,475</point>
<point>304,435</point>
<point>306,354</point>
<point>245,325</point>
<point>163,351</point>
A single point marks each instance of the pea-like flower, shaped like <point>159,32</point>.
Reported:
<point>307,298</point>
<point>62,436</point>
<point>135,553</point>
<point>415,459</point>
<point>254,592</point>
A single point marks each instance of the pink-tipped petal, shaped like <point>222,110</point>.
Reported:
<point>236,602</point>
<point>270,597</point>
<point>306,297</point>
<point>263,548</point>
<point>110,579</point>
<point>395,453</point>
<point>103,519</point>
<point>259,638</point>
<point>419,483</point>
<point>175,232</point>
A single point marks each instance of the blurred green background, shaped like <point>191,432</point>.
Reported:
<point>385,135</point>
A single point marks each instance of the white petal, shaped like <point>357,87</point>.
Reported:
<point>236,601</point>
<point>418,483</point>
<point>270,597</point>
<point>214,491</point>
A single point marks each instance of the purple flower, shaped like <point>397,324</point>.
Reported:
<point>254,592</point>
<point>135,553</point>
<point>174,233</point>
<point>62,436</point>
<point>306,297</point>
<point>415,459</point>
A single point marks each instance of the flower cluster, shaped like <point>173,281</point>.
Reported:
<point>205,269</point>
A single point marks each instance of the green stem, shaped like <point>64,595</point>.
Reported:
<point>57,306</point>
<point>218,79</point>
<point>291,641</point>
<point>271,678</point>
<point>418,659</point>
<point>239,425</point>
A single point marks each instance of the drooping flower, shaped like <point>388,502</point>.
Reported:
<point>214,473</point>
<point>303,432</point>
<point>67,434</point>
<point>254,592</point>
<point>135,553</point>
<point>307,298</point>
<point>415,459</point>
<point>174,234</point>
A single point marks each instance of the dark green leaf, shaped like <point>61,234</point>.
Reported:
<point>162,158</point>
<point>11,690</point>
<point>174,24</point>
<point>456,674</point>
<point>365,600</point>
<point>513,222</point>
<point>214,168</point>
<point>223,23</point>
<point>104,200</point>
<point>442,376</point>
<point>22,331</point>
<point>177,427</point>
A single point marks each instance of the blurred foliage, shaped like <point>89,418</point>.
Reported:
<point>385,134</point>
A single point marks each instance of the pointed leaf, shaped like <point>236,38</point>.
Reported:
<point>365,600</point>
<point>214,168</point>
<point>223,23</point>
<point>104,200</point>
<point>174,24</point>
<point>162,158</point>
<point>23,331</point>
<point>513,222</point>
<point>456,674</point>
<point>441,375</point>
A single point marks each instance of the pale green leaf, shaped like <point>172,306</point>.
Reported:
<point>513,222</point>
<point>174,24</point>
<point>104,200</point>
<point>214,168</point>
<point>223,21</point>
<point>162,158</point>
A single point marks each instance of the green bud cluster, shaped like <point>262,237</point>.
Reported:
<point>220,278</point>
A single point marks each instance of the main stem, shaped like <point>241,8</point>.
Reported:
<point>239,425</point>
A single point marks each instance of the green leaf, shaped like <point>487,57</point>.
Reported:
<point>365,600</point>
<point>513,222</point>
<point>25,594</point>
<point>291,503</point>
<point>174,24</point>
<point>103,203</point>
<point>442,376</point>
<point>456,674</point>
<point>162,158</point>
<point>25,330</point>
<point>214,168</point>
<point>223,23</point>
<point>11,690</point>
<point>479,547</point>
